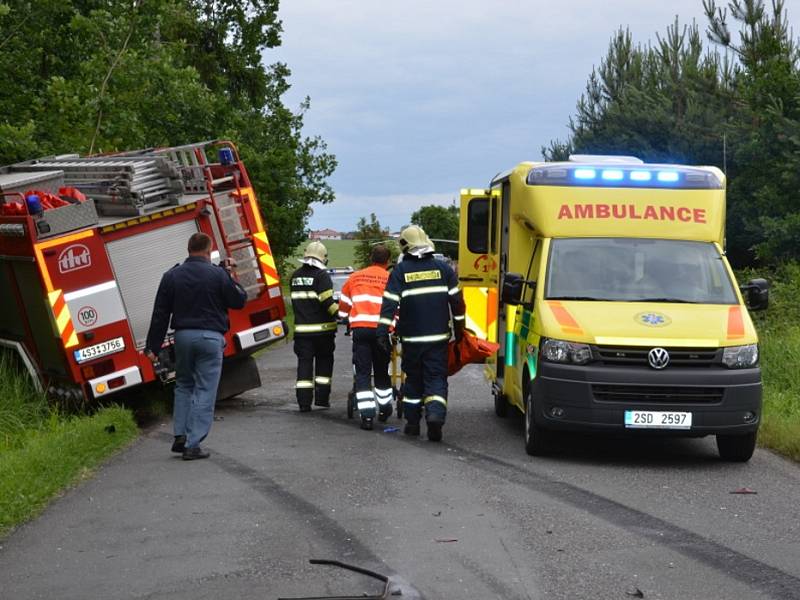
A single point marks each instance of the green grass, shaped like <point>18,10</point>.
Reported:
<point>779,343</point>
<point>42,451</point>
<point>341,253</point>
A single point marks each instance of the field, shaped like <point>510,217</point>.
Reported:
<point>340,253</point>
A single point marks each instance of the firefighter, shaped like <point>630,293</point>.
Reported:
<point>314,327</point>
<point>426,291</point>
<point>360,303</point>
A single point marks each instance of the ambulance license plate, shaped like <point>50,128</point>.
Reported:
<point>101,349</point>
<point>658,419</point>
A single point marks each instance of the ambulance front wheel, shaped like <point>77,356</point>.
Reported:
<point>736,448</point>
<point>535,437</point>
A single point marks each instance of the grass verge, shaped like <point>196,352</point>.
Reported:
<point>779,343</point>
<point>42,451</point>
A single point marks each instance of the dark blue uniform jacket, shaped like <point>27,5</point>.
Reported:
<point>197,295</point>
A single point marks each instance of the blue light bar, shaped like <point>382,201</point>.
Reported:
<point>585,173</point>
<point>668,176</point>
<point>612,175</point>
<point>641,175</point>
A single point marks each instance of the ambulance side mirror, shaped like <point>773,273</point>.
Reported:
<point>756,294</point>
<point>513,283</point>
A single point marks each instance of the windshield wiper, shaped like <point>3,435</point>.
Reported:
<point>590,298</point>
<point>675,300</point>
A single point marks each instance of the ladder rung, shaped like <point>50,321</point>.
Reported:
<point>222,180</point>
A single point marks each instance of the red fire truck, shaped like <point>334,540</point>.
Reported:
<point>78,275</point>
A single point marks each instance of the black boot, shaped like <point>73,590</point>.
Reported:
<point>179,444</point>
<point>195,453</point>
<point>366,423</point>
<point>305,408</point>
<point>385,412</point>
<point>435,431</point>
<point>411,429</point>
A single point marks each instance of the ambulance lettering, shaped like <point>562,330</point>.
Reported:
<point>74,258</point>
<point>631,211</point>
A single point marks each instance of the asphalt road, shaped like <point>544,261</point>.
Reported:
<point>470,518</point>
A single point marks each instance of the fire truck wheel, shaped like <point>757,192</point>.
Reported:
<point>351,399</point>
<point>535,437</point>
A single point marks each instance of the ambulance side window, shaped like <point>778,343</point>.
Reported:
<point>478,226</point>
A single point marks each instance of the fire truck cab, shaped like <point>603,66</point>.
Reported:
<point>78,281</point>
<point>605,282</point>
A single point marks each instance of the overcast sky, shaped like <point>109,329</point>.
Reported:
<point>419,98</point>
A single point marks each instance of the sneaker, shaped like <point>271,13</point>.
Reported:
<point>195,453</point>
<point>366,423</point>
<point>385,412</point>
<point>305,408</point>
<point>411,429</point>
<point>435,432</point>
<point>179,444</point>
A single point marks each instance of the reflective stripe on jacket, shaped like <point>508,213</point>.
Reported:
<point>426,291</point>
<point>312,301</point>
<point>362,296</point>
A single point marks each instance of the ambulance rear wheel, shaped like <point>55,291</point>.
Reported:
<point>500,405</point>
<point>736,448</point>
<point>535,436</point>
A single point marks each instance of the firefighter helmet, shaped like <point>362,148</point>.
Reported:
<point>412,237</point>
<point>316,250</point>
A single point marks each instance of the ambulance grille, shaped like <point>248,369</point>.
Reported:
<point>637,356</point>
<point>657,394</point>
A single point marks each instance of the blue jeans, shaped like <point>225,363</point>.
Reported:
<point>198,365</point>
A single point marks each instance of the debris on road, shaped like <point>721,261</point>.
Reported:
<point>744,490</point>
<point>335,563</point>
<point>446,541</point>
<point>634,592</point>
<point>391,429</point>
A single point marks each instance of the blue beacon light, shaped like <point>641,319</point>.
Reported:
<point>585,173</point>
<point>667,176</point>
<point>641,175</point>
<point>612,175</point>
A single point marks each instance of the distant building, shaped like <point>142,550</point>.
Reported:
<point>325,234</point>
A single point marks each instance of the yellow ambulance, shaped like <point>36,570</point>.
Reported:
<point>605,282</point>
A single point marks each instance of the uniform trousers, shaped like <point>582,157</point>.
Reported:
<point>425,366</point>
<point>314,368</point>
<point>368,359</point>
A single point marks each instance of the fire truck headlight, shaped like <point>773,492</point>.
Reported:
<point>740,357</point>
<point>566,352</point>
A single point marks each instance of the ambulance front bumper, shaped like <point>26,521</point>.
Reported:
<point>596,398</point>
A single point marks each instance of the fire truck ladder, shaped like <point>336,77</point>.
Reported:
<point>235,223</point>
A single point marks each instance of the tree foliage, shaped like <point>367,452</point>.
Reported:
<point>368,233</point>
<point>440,223</point>
<point>733,103</point>
<point>104,75</point>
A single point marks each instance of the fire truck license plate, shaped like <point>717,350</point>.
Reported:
<point>657,419</point>
<point>98,350</point>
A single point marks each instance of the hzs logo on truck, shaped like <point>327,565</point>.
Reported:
<point>74,258</point>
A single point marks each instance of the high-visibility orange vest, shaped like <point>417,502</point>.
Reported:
<point>362,295</point>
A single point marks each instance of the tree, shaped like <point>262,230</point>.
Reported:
<point>369,233</point>
<point>91,75</point>
<point>440,223</point>
<point>735,105</point>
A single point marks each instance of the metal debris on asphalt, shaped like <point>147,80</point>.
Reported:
<point>390,429</point>
<point>634,593</point>
<point>744,490</point>
<point>335,563</point>
<point>446,541</point>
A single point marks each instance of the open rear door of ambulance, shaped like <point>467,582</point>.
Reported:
<point>478,261</point>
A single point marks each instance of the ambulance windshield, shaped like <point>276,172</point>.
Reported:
<point>637,270</point>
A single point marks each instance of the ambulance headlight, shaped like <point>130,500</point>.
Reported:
<point>740,357</point>
<point>566,352</point>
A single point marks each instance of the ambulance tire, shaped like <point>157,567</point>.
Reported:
<point>536,438</point>
<point>736,448</point>
<point>351,400</point>
<point>500,405</point>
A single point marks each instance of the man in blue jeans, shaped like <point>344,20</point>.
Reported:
<point>196,295</point>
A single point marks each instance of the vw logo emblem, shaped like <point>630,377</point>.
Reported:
<point>658,358</point>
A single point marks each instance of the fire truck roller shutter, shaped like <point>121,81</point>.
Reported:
<point>139,261</point>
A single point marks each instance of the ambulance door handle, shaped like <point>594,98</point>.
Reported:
<point>470,278</point>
